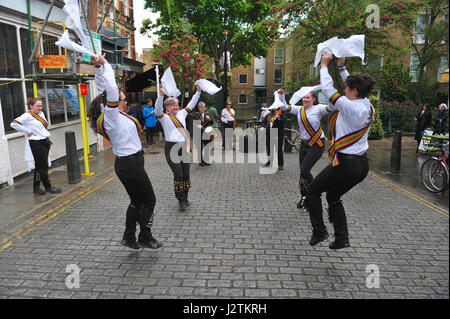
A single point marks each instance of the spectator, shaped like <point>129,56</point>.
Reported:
<point>423,122</point>
<point>441,119</point>
<point>150,121</point>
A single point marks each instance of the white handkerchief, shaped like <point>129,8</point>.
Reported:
<point>302,92</point>
<point>73,11</point>
<point>168,85</point>
<point>65,42</point>
<point>208,86</point>
<point>277,103</point>
<point>342,48</point>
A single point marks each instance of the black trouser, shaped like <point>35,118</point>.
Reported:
<point>335,181</point>
<point>134,178</point>
<point>181,174</point>
<point>229,142</point>
<point>149,134</point>
<point>308,157</point>
<point>40,149</point>
<point>202,146</point>
<point>280,146</point>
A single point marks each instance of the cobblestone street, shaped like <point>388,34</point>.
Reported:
<point>243,237</point>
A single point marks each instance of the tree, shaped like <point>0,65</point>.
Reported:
<point>251,26</point>
<point>319,20</point>
<point>433,29</point>
<point>186,63</point>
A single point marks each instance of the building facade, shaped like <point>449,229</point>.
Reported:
<point>57,88</point>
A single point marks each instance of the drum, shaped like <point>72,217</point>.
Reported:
<point>208,130</point>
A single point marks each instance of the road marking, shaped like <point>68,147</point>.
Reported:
<point>52,213</point>
<point>410,195</point>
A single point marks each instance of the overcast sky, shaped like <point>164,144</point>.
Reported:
<point>142,41</point>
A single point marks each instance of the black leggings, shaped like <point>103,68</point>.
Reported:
<point>181,174</point>
<point>308,157</point>
<point>40,149</point>
<point>280,154</point>
<point>134,178</point>
<point>335,181</point>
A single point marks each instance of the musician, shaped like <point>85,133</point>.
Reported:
<point>312,137</point>
<point>348,163</point>
<point>228,120</point>
<point>205,122</point>
<point>274,119</point>
<point>123,131</point>
<point>34,125</point>
<point>174,126</point>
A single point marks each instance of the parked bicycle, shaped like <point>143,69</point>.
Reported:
<point>294,140</point>
<point>434,172</point>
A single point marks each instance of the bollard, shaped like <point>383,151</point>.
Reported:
<point>396,154</point>
<point>73,166</point>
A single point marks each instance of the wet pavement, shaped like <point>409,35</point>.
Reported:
<point>379,155</point>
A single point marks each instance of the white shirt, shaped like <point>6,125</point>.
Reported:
<point>121,130</point>
<point>171,132</point>
<point>226,116</point>
<point>27,124</point>
<point>313,114</point>
<point>353,115</point>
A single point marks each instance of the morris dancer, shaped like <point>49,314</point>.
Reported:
<point>348,163</point>
<point>123,131</point>
<point>174,126</point>
<point>34,125</point>
<point>312,137</point>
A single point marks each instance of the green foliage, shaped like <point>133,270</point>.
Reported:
<point>398,116</point>
<point>376,130</point>
<point>251,26</point>
<point>394,83</point>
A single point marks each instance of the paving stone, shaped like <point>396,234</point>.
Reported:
<point>231,244</point>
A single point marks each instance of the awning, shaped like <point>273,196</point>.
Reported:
<point>143,80</point>
<point>121,66</point>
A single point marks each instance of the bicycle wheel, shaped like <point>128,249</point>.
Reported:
<point>434,175</point>
<point>296,141</point>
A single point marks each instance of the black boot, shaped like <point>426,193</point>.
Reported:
<point>313,205</point>
<point>38,190</point>
<point>337,216</point>
<point>129,236</point>
<point>181,202</point>
<point>146,240</point>
<point>185,198</point>
<point>301,203</point>
<point>317,238</point>
<point>53,190</point>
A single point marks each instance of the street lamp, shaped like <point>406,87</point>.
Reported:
<point>225,63</point>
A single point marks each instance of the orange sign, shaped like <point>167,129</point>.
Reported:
<point>53,61</point>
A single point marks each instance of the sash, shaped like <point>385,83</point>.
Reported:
<point>136,122</point>
<point>315,136</point>
<point>232,115</point>
<point>181,129</point>
<point>101,124</point>
<point>40,119</point>
<point>346,140</point>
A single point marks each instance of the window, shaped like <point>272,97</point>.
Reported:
<point>242,98</point>
<point>419,30</point>
<point>289,54</point>
<point>443,65</point>
<point>25,43</point>
<point>278,54</point>
<point>242,78</point>
<point>127,14</point>
<point>260,71</point>
<point>373,62</point>
<point>414,67</point>
<point>278,76</point>
<point>9,54</point>
<point>11,96</point>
